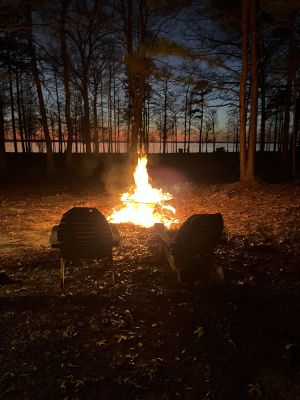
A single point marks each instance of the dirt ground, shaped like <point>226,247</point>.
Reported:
<point>148,337</point>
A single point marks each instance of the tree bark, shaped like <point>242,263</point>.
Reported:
<point>275,130</point>
<point>136,67</point>
<point>118,126</point>
<point>185,119</point>
<point>37,81</point>
<point>201,123</point>
<point>263,109</point>
<point>96,135</point>
<point>296,123</point>
<point>60,136</point>
<point>109,112</point>
<point>249,173</point>
<point>3,163</point>
<point>12,110</point>
<point>24,119</point>
<point>66,80</point>
<point>243,88</point>
<point>137,118</point>
<point>165,116</point>
<point>20,119</point>
<point>190,123</point>
<point>102,113</point>
<point>86,113</point>
<point>288,102</point>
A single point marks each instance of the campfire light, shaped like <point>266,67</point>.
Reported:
<point>144,205</point>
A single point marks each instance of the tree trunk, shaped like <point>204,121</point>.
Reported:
<point>296,123</point>
<point>201,123</point>
<point>12,110</point>
<point>20,120</point>
<point>165,116</point>
<point>60,136</point>
<point>3,164</point>
<point>175,133</point>
<point>185,118</point>
<point>66,79</point>
<point>118,126</point>
<point>189,124</point>
<point>109,112</point>
<point>146,125</point>
<point>227,140</point>
<point>286,125</point>
<point>96,136</point>
<point>214,137</point>
<point>206,140</point>
<point>136,123</point>
<point>114,110</point>
<point>249,173</point>
<point>263,109</point>
<point>243,88</point>
<point>86,113</point>
<point>288,102</point>
<point>137,96</point>
<point>200,138</point>
<point>102,113</point>
<point>276,130</point>
<point>37,81</point>
<point>281,118</point>
<point>132,78</point>
<point>24,119</point>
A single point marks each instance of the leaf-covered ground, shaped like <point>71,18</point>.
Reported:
<point>148,337</point>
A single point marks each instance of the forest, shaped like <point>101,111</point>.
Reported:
<point>162,76</point>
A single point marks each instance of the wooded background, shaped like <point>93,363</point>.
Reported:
<point>114,76</point>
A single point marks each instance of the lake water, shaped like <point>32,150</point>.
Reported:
<point>154,147</point>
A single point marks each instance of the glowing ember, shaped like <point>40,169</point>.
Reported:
<point>144,205</point>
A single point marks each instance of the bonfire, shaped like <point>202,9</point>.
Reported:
<point>143,204</point>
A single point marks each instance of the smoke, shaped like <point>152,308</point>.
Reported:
<point>167,176</point>
<point>117,175</point>
<point>87,167</point>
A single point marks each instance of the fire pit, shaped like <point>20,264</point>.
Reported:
<point>144,205</point>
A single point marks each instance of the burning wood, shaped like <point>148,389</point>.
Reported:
<point>144,205</point>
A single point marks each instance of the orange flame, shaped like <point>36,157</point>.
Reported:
<point>145,205</point>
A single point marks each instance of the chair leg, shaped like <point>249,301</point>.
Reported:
<point>112,265</point>
<point>179,277</point>
<point>62,273</point>
<point>113,272</point>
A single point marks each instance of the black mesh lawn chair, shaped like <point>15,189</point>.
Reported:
<point>190,252</point>
<point>84,233</point>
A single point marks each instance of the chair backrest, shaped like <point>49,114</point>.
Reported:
<point>197,236</point>
<point>84,233</point>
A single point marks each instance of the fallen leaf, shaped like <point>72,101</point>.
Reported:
<point>121,338</point>
<point>101,343</point>
<point>199,331</point>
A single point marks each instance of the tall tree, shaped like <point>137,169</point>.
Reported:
<point>66,80</point>
<point>3,164</point>
<point>38,85</point>
<point>134,19</point>
<point>291,70</point>
<point>143,22</point>
<point>243,86</point>
<point>249,170</point>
